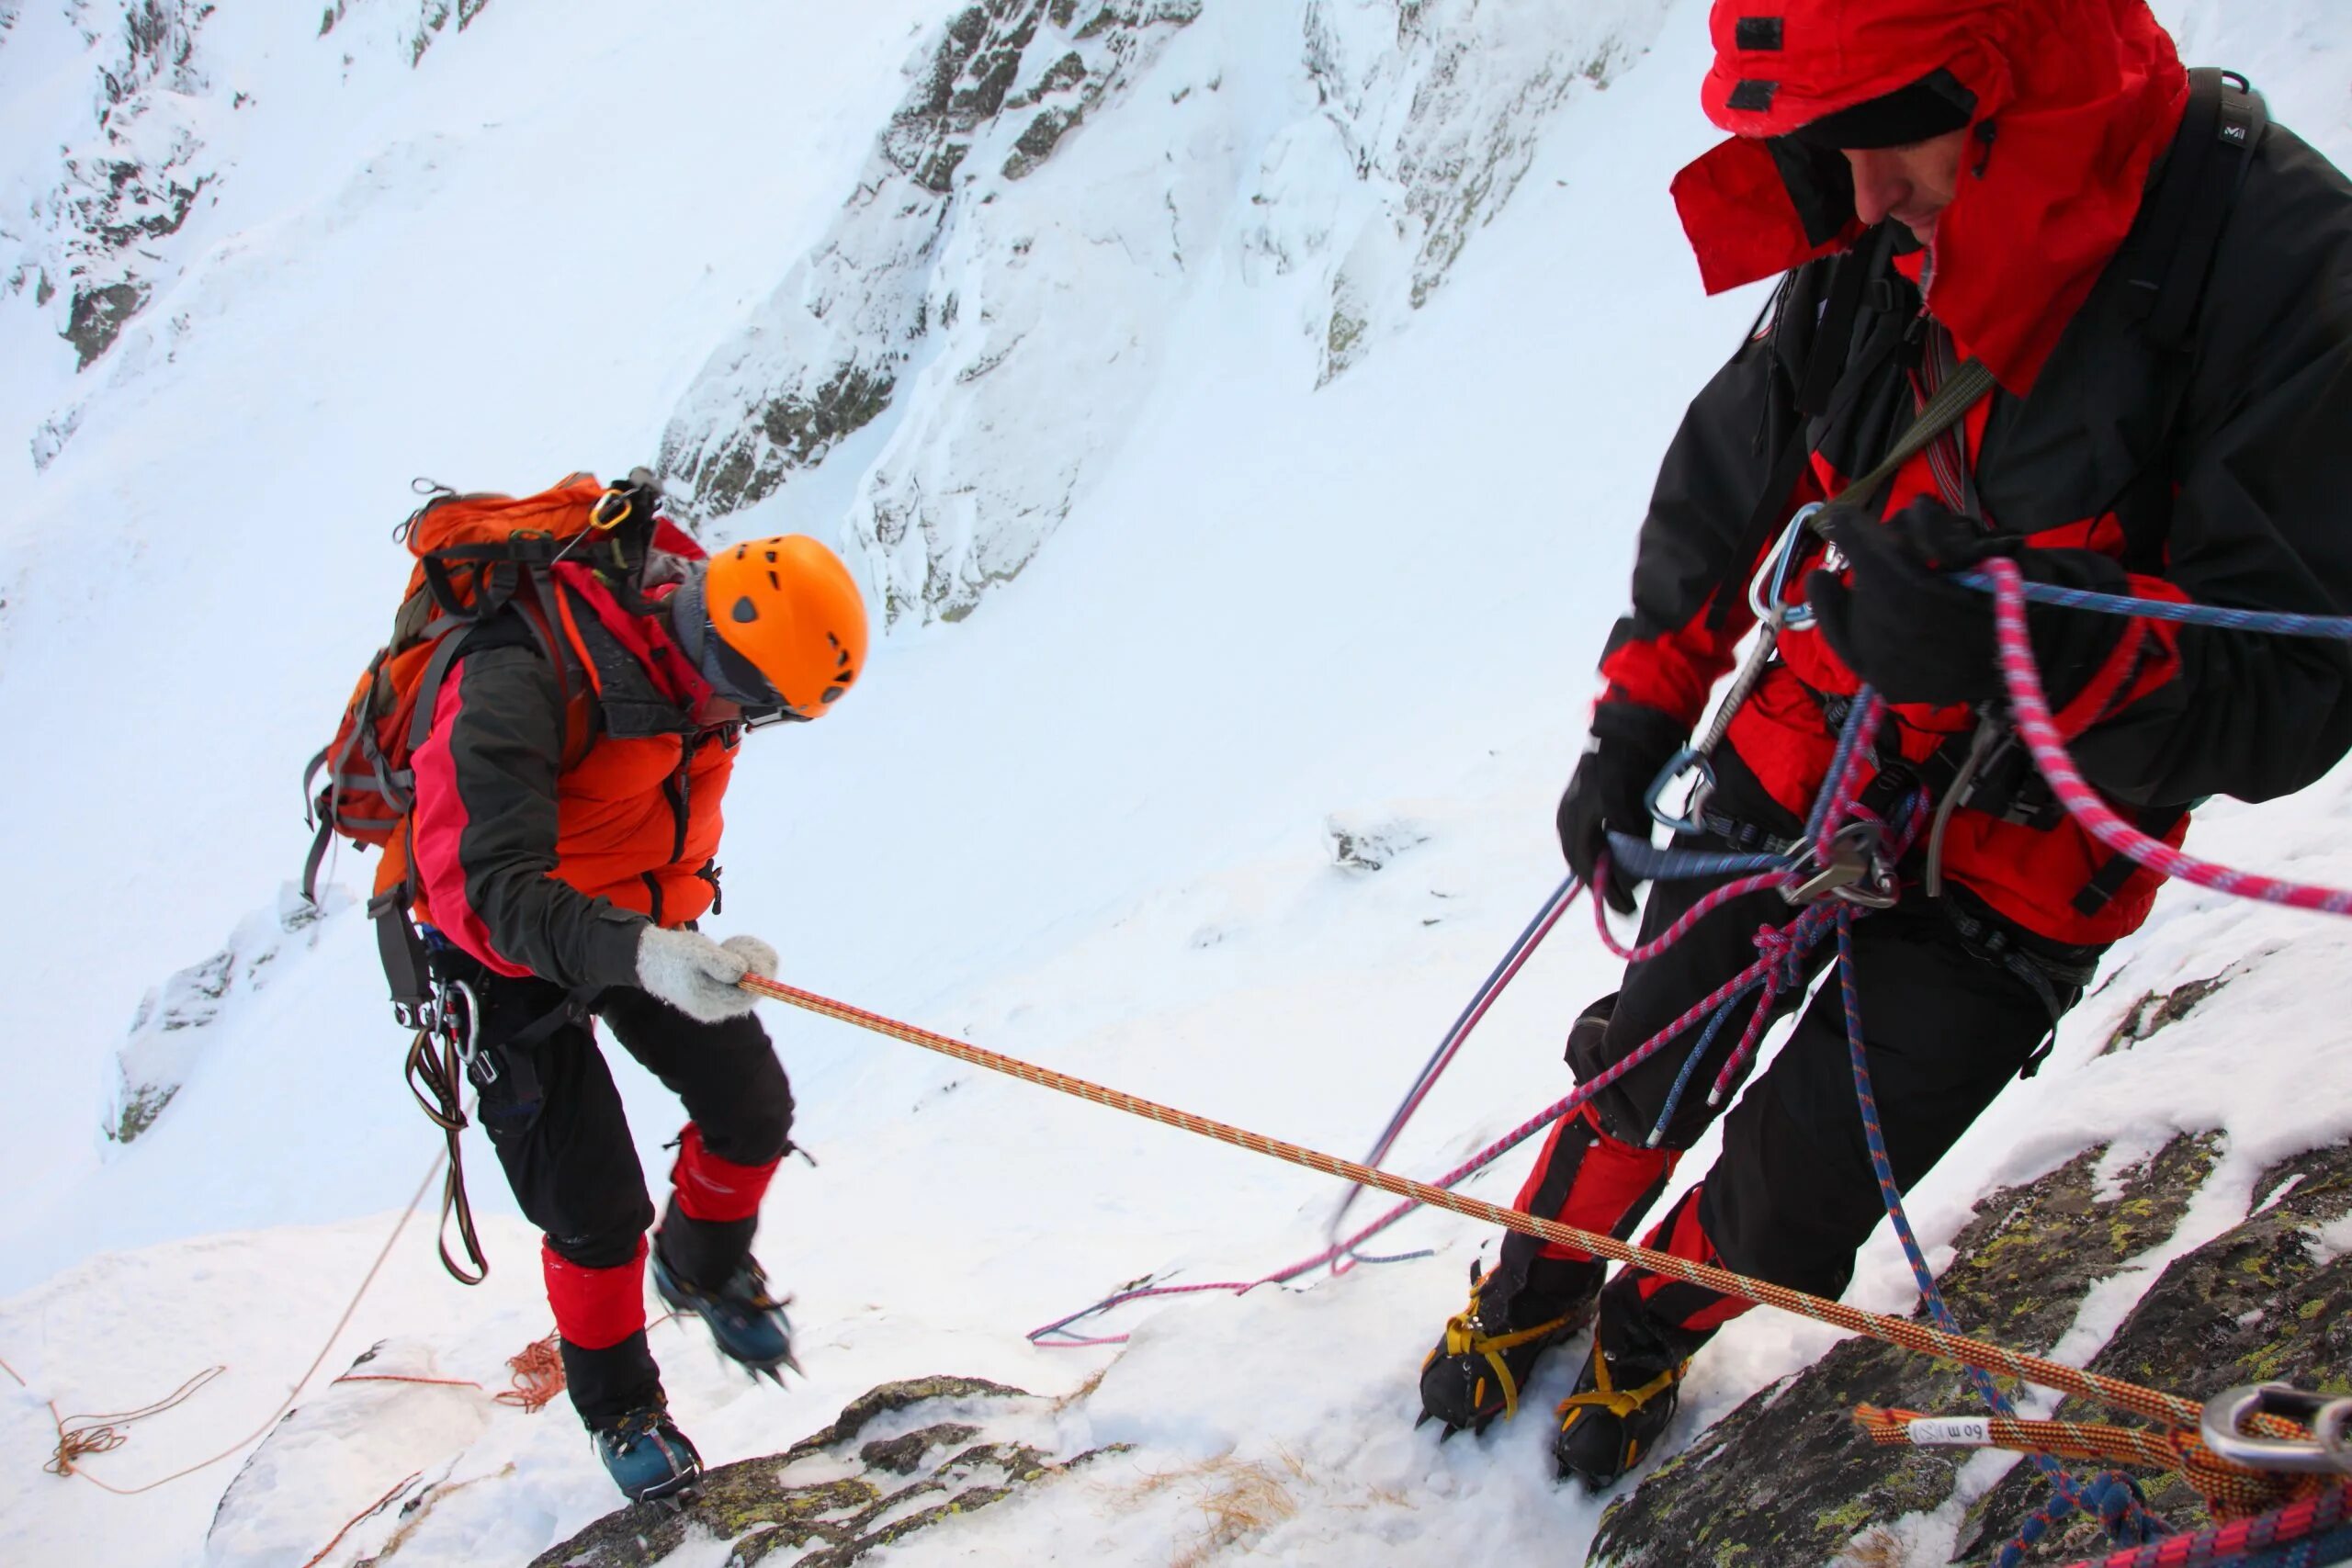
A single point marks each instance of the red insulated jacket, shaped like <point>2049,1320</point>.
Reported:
<point>2218,472</point>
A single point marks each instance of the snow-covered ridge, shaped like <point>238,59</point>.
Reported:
<point>979,329</point>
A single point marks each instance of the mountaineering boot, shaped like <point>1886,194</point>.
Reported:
<point>1620,1409</point>
<point>647,1456</point>
<point>747,1324</point>
<point>1491,1346</point>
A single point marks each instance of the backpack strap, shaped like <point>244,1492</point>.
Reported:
<point>2223,124</point>
<point>1824,371</point>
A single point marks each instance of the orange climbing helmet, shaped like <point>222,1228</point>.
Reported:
<point>790,625</point>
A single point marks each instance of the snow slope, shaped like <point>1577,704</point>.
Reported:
<point>1090,825</point>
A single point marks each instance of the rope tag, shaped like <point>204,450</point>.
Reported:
<point>1952,1432</point>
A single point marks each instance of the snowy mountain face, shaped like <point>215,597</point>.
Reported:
<point>1239,410</point>
<point>989,309</point>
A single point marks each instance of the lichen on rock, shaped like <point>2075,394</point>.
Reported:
<point>904,1484</point>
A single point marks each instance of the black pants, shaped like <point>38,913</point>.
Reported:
<point>1792,1195</point>
<point>555,1117</point>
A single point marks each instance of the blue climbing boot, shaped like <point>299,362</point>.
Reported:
<point>647,1456</point>
<point>747,1324</point>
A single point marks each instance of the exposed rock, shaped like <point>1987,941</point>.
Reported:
<point>130,184</point>
<point>2155,1010</point>
<point>830,353</point>
<point>432,18</point>
<point>2267,1300</point>
<point>1368,846</point>
<point>97,317</point>
<point>752,1506</point>
<point>167,1032</point>
<point>1786,1478</point>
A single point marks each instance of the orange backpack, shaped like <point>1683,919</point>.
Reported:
<point>476,555</point>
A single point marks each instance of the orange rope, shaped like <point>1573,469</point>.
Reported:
<point>372,1509</point>
<point>539,1376</point>
<point>2229,1491</point>
<point>2168,1409</point>
<point>78,1436</point>
<point>74,1444</point>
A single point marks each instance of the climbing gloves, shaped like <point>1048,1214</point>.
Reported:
<point>1631,745</point>
<point>698,975</point>
<point>1903,625</point>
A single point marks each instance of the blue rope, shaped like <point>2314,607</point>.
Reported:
<point>2131,1523</point>
<point>1849,736</point>
<point>1647,862</point>
<point>2280,622</point>
<point>1690,1063</point>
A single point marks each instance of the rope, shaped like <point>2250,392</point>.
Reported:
<point>2147,1402</point>
<point>75,1444</point>
<point>81,1435</point>
<point>2231,1493</point>
<point>2031,712</point>
<point>2129,1516</point>
<point>372,1509</point>
<point>1513,959</point>
<point>1698,1013</point>
<point>538,1375</point>
<point>2221,617</point>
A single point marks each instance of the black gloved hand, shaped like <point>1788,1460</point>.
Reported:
<point>1611,787</point>
<point>1900,625</point>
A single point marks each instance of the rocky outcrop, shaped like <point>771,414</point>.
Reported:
<point>981,325</point>
<point>924,262</point>
<point>131,180</point>
<point>854,1497</point>
<point>170,1029</point>
<point>1437,106</point>
<point>432,18</point>
<point>1786,1479</point>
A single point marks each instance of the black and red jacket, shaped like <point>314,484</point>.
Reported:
<point>2220,472</point>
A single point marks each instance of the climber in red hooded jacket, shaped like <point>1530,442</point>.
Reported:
<point>2160,285</point>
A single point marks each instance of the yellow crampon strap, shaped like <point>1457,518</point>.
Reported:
<point>1462,1339</point>
<point>1620,1402</point>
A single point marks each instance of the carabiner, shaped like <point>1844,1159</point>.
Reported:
<point>1689,760</point>
<point>458,1012</point>
<point>1768,590</point>
<point>612,509</point>
<point>2327,1451</point>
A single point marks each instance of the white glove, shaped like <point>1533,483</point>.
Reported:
<point>698,975</point>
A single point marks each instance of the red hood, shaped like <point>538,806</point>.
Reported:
<point>2082,96</point>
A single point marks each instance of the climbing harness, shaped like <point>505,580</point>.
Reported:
<point>1694,764</point>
